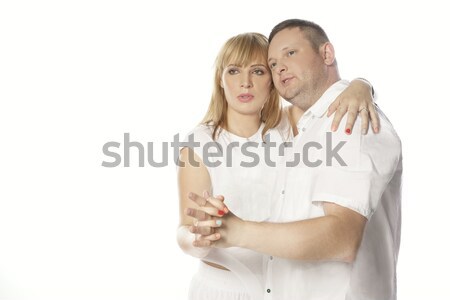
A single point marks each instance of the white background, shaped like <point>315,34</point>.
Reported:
<point>77,74</point>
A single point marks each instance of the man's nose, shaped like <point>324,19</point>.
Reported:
<point>280,68</point>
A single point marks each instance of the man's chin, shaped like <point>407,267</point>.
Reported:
<point>289,93</point>
<point>288,97</point>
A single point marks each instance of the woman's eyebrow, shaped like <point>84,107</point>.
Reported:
<point>256,65</point>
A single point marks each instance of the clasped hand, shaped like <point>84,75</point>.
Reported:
<point>214,224</point>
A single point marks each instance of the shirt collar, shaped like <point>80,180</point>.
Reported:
<point>321,106</point>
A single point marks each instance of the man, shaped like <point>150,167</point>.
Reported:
<point>335,229</point>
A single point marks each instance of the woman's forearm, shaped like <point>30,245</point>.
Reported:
<point>185,239</point>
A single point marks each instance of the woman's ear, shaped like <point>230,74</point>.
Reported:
<point>327,52</point>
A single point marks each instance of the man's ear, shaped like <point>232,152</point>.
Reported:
<point>327,52</point>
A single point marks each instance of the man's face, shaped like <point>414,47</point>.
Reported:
<point>296,68</point>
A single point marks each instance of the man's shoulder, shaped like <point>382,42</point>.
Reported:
<point>387,136</point>
<point>383,147</point>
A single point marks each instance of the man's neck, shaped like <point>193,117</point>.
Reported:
<point>295,113</point>
<point>305,101</point>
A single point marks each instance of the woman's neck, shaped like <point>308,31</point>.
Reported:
<point>243,125</point>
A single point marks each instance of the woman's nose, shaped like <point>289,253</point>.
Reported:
<point>246,82</point>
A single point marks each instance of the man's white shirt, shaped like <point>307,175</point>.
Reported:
<point>360,172</point>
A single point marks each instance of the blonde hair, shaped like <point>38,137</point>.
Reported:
<point>242,50</point>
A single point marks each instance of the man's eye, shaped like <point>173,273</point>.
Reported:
<point>273,65</point>
<point>290,53</point>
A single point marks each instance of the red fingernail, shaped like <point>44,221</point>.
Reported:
<point>221,212</point>
<point>348,130</point>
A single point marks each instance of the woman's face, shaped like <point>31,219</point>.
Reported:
<point>246,88</point>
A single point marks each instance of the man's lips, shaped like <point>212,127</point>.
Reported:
<point>286,80</point>
<point>245,97</point>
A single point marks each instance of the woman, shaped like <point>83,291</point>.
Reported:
<point>244,108</point>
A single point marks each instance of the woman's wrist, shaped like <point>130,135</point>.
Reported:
<point>367,82</point>
<point>185,239</point>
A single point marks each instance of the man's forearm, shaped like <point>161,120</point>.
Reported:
<point>319,239</point>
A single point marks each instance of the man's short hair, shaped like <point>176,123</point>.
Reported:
<point>313,32</point>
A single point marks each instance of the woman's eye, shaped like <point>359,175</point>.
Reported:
<point>258,72</point>
<point>290,53</point>
<point>232,71</point>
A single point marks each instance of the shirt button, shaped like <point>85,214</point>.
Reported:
<point>303,129</point>
<point>268,290</point>
<point>282,192</point>
<point>271,257</point>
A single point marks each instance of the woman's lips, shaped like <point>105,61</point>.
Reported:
<point>245,97</point>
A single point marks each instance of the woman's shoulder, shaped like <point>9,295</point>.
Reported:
<point>201,133</point>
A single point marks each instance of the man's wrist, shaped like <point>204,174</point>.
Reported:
<point>245,235</point>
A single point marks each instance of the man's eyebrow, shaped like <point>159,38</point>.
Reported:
<point>284,49</point>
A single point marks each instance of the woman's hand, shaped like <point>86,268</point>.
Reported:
<point>216,226</point>
<point>205,218</point>
<point>355,99</point>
